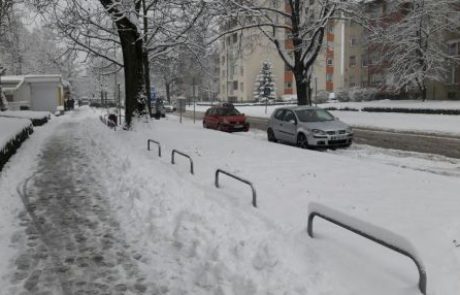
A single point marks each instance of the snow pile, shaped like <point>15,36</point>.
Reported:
<point>10,128</point>
<point>194,239</point>
<point>33,115</point>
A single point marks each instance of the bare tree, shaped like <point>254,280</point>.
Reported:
<point>295,27</point>
<point>412,37</point>
<point>141,29</point>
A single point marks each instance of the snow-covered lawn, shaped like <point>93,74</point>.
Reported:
<point>197,239</point>
<point>10,128</point>
<point>218,236</point>
<point>446,124</point>
<point>409,104</point>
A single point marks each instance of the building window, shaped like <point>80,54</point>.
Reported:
<point>354,42</point>
<point>235,85</point>
<point>223,60</point>
<point>330,61</point>
<point>364,60</point>
<point>454,48</point>
<point>241,86</point>
<point>288,85</point>
<point>329,77</point>
<point>352,61</point>
<point>330,28</point>
<point>312,2</point>
<point>241,71</point>
<point>235,38</point>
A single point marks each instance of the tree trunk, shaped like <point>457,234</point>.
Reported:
<point>132,59</point>
<point>147,81</point>
<point>168,91</point>
<point>424,91</point>
<point>146,61</point>
<point>132,48</point>
<point>303,90</point>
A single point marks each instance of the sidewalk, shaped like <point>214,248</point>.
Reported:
<point>71,243</point>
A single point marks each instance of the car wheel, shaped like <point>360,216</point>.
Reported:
<point>302,141</point>
<point>205,125</point>
<point>219,127</point>
<point>271,135</point>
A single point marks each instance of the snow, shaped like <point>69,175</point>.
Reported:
<point>10,128</point>
<point>33,115</point>
<point>198,239</point>
<point>376,232</point>
<point>445,124</point>
<point>410,104</point>
<point>288,179</point>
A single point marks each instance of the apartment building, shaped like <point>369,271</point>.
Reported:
<point>340,64</point>
<point>346,60</point>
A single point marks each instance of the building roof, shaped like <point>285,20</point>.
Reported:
<point>17,81</point>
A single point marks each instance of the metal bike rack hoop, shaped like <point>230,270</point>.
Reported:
<point>405,248</point>
<point>149,141</point>
<point>254,195</point>
<point>184,155</point>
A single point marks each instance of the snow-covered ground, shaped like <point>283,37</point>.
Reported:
<point>445,124</point>
<point>387,103</point>
<point>10,128</point>
<point>197,239</point>
<point>410,104</point>
<point>25,114</point>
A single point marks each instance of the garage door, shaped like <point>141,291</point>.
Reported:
<point>44,97</point>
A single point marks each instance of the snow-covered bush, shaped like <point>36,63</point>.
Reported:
<point>342,95</point>
<point>362,94</point>
<point>321,97</point>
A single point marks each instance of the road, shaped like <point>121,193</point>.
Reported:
<point>445,145</point>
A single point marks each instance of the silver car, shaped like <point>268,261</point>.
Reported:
<point>308,126</point>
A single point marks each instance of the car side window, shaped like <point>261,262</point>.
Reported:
<point>289,116</point>
<point>279,115</point>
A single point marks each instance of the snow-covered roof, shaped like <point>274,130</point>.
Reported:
<point>17,81</point>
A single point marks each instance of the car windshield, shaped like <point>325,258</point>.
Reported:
<point>227,112</point>
<point>314,115</point>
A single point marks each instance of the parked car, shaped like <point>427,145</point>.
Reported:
<point>169,108</point>
<point>308,127</point>
<point>225,117</point>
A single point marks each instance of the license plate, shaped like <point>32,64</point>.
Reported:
<point>338,137</point>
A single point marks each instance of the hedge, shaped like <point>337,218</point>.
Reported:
<point>7,151</point>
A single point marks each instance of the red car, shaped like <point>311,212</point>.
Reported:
<point>225,118</point>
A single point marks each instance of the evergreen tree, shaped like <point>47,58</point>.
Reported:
<point>265,83</point>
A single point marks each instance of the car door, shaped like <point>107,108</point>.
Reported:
<point>210,118</point>
<point>289,127</point>
<point>277,122</point>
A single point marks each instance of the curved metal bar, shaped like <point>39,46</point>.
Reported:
<point>254,195</point>
<point>184,155</point>
<point>422,273</point>
<point>155,142</point>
